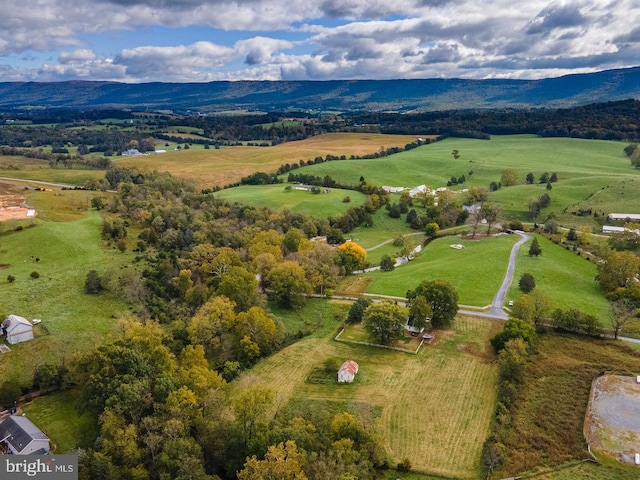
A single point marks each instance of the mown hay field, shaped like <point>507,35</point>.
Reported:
<point>435,406</point>
<point>210,168</point>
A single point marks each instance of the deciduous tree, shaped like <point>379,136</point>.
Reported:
<point>385,322</point>
<point>442,297</point>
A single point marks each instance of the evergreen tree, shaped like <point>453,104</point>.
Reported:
<point>534,249</point>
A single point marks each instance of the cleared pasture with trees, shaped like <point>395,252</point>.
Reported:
<point>476,271</point>
<point>321,205</point>
<point>583,168</point>
<point>61,252</point>
<point>568,279</point>
<point>209,168</point>
<point>412,392</point>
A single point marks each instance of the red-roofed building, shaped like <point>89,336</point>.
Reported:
<point>347,372</point>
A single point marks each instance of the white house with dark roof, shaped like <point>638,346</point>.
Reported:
<point>22,437</point>
<point>17,329</point>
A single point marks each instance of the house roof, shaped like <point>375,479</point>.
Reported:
<point>20,432</point>
<point>12,321</point>
<point>349,366</point>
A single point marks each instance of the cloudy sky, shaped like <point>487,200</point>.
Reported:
<point>206,40</point>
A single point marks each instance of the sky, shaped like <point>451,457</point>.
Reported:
<point>139,41</point>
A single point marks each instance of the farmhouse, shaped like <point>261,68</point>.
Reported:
<point>347,372</point>
<point>22,437</point>
<point>17,329</point>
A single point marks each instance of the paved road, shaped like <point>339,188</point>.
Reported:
<point>498,301</point>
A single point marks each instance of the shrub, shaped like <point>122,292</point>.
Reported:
<point>93,283</point>
<point>404,465</point>
<point>34,275</point>
<point>11,278</point>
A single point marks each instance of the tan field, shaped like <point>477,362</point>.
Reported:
<point>435,406</point>
<point>209,168</point>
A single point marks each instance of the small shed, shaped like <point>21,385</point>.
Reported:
<point>347,372</point>
<point>22,437</point>
<point>17,329</point>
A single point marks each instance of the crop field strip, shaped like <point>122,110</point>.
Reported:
<point>436,406</point>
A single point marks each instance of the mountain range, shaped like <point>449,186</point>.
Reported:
<point>337,95</point>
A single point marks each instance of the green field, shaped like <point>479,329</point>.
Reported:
<point>71,320</point>
<point>412,391</point>
<point>276,197</point>
<point>476,271</point>
<point>224,166</point>
<point>584,167</point>
<point>567,278</point>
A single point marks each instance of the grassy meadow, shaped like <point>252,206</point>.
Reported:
<point>567,278</point>
<point>209,168</point>
<point>476,271</point>
<point>584,168</point>
<point>411,392</point>
<point>61,244</point>
<point>276,197</point>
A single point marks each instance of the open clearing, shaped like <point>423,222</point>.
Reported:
<point>62,244</point>
<point>476,271</point>
<point>435,406</point>
<point>209,168</point>
<point>321,205</point>
<point>612,425</point>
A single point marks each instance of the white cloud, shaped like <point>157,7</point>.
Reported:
<point>336,38</point>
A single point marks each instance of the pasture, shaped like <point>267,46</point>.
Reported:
<point>476,271</point>
<point>584,167</point>
<point>209,168</point>
<point>567,278</point>
<point>62,245</point>
<point>435,407</point>
<point>276,197</point>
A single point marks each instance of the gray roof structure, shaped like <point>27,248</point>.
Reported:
<point>20,432</point>
<point>12,321</point>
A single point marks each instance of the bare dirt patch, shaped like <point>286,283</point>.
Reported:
<point>612,425</point>
<point>14,213</point>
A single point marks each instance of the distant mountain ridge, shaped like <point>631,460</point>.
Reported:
<point>340,95</point>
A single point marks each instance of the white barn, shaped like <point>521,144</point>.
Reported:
<point>22,437</point>
<point>347,372</point>
<point>17,329</point>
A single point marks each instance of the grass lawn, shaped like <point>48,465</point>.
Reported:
<point>476,271</point>
<point>208,168</point>
<point>451,376</point>
<point>566,277</point>
<point>321,205</point>
<point>57,416</point>
<point>71,320</point>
